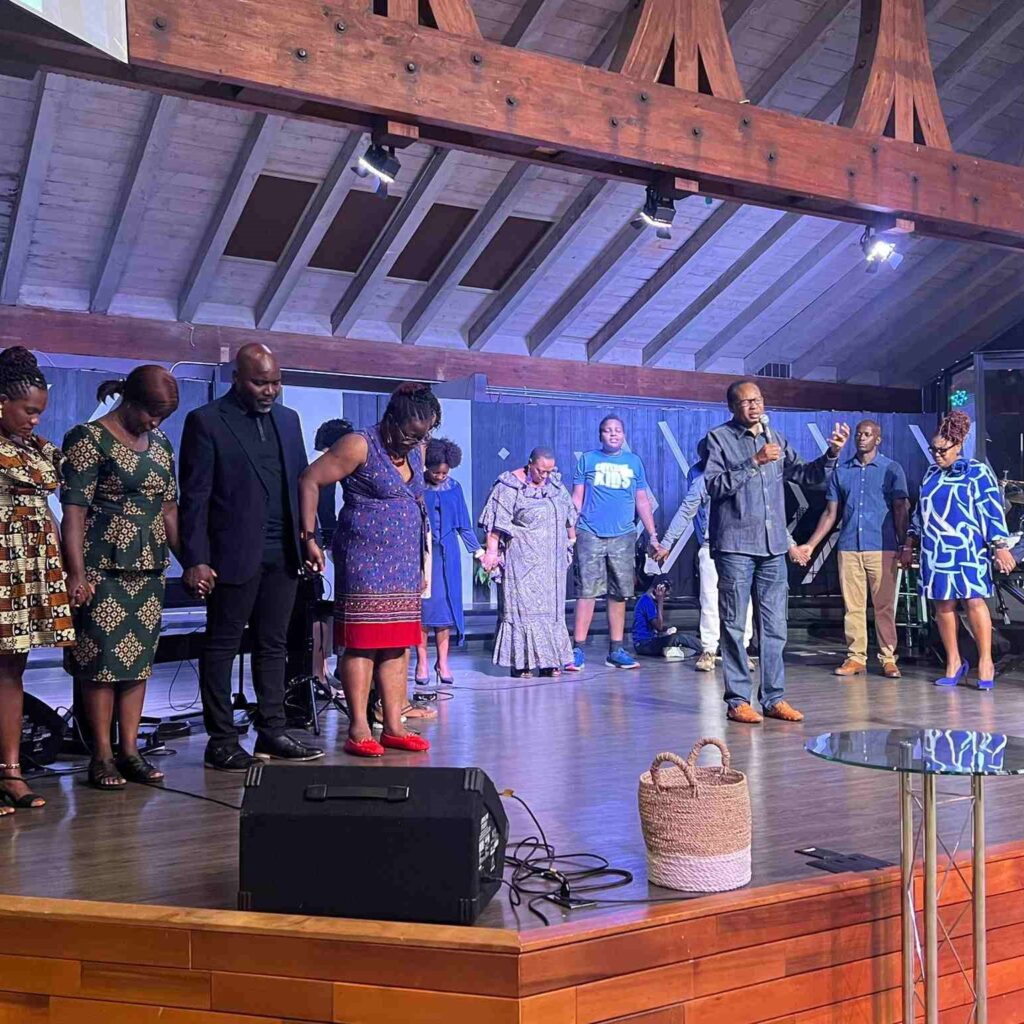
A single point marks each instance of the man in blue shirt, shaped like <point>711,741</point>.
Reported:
<point>748,466</point>
<point>609,489</point>
<point>873,527</point>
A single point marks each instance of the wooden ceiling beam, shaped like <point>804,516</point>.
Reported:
<point>248,166</point>
<point>318,216</point>
<point>137,189</point>
<point>472,242</point>
<point>516,98</point>
<point>41,135</point>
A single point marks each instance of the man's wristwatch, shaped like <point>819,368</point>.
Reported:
<point>305,535</point>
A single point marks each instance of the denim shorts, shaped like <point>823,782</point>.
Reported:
<point>605,565</point>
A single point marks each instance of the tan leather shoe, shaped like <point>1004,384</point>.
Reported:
<point>784,712</point>
<point>850,668</point>
<point>743,713</point>
<point>891,670</point>
<point>706,662</point>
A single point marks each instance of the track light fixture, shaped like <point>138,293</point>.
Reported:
<point>380,162</point>
<point>658,212</point>
<point>878,251</point>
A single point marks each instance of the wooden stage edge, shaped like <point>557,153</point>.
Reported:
<point>821,951</point>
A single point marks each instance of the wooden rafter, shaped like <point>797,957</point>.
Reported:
<point>454,17</point>
<point>516,99</point>
<point>892,82</point>
<point>140,182</point>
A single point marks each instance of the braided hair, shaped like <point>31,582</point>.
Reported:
<point>412,401</point>
<point>19,372</point>
<point>955,427</point>
<point>148,387</point>
<point>442,451</point>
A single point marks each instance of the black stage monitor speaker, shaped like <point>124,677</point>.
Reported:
<point>42,732</point>
<point>396,844</point>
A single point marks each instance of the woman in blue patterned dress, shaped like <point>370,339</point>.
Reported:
<point>962,530</point>
<point>378,559</point>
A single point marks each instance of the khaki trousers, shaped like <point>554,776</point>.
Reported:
<point>861,572</point>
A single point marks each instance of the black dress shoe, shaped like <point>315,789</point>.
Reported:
<point>228,759</point>
<point>284,748</point>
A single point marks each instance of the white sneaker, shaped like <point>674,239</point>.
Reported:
<point>706,662</point>
<point>673,654</point>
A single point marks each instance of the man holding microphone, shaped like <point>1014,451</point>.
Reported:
<point>747,468</point>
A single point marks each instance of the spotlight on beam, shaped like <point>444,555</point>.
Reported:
<point>380,163</point>
<point>878,251</point>
<point>658,212</point>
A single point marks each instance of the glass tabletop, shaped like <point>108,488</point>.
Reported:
<point>923,751</point>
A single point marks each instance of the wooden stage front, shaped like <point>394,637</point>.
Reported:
<point>117,906</point>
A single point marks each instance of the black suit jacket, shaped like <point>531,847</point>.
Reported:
<point>223,501</point>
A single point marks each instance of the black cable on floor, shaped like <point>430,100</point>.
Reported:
<point>161,787</point>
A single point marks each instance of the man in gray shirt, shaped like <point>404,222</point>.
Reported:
<point>747,468</point>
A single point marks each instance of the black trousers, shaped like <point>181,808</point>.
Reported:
<point>264,604</point>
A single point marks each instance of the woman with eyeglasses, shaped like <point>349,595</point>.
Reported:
<point>961,526</point>
<point>531,529</point>
<point>379,559</point>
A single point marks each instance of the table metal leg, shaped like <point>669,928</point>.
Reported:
<point>978,901</point>
<point>931,922</point>
<point>907,885</point>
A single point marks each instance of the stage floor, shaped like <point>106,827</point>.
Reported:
<point>572,748</point>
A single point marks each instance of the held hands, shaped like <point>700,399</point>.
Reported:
<point>1004,560</point>
<point>906,557</point>
<point>840,435</point>
<point>769,453</point>
<point>489,560</point>
<point>80,591</point>
<point>200,580</point>
<point>800,554</point>
<point>658,551</point>
<point>314,560</point>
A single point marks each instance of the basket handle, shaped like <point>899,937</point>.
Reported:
<point>685,766</point>
<point>709,741</point>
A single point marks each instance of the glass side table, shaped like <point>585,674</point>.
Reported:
<point>929,753</point>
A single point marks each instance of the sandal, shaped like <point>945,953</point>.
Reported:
<point>104,775</point>
<point>135,768</point>
<point>27,801</point>
<point>420,712</point>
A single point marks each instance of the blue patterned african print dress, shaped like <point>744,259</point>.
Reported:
<point>958,515</point>
<point>378,553</point>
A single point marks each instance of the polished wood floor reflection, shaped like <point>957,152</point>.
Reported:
<point>573,748</point>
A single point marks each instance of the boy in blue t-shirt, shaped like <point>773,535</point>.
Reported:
<point>651,637</point>
<point>610,491</point>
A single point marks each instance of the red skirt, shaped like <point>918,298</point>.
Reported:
<point>376,621</point>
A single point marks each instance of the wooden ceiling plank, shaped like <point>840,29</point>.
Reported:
<point>400,228</point>
<point>309,232</point>
<point>664,339</point>
<point>837,237</point>
<point>137,189</point>
<point>248,166</point>
<point>480,230</point>
<point>42,134</point>
<point>514,97</point>
<point>554,241</point>
<point>1007,16</point>
<point>609,335</point>
<point>1004,92</point>
<point>739,11</point>
<point>531,22</point>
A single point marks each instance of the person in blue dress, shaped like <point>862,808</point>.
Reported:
<point>961,526</point>
<point>449,524</point>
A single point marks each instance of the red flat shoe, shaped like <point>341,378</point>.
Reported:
<point>363,748</point>
<point>417,744</point>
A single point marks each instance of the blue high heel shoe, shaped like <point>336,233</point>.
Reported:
<point>986,684</point>
<point>450,681</point>
<point>955,680</point>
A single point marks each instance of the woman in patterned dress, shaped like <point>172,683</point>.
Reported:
<point>34,609</point>
<point>531,528</point>
<point>962,528</point>
<point>378,559</point>
<point>120,521</point>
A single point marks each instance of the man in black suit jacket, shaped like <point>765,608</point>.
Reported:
<point>241,457</point>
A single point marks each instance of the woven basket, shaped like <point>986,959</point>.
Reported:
<point>696,822</point>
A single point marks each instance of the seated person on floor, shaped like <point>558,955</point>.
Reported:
<point>651,637</point>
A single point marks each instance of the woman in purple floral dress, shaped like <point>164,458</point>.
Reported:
<point>379,545</point>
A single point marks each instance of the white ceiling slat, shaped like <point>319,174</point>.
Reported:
<point>309,232</point>
<point>137,188</point>
<point>49,95</point>
<point>249,163</point>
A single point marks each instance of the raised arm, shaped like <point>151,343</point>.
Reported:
<point>815,474</point>
<point>343,458</point>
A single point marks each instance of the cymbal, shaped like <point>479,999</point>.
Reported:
<point>1014,491</point>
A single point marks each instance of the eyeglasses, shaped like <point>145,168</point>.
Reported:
<point>940,451</point>
<point>750,401</point>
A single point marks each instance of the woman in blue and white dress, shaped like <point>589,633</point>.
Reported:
<point>962,530</point>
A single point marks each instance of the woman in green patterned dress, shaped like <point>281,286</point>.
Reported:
<point>120,522</point>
